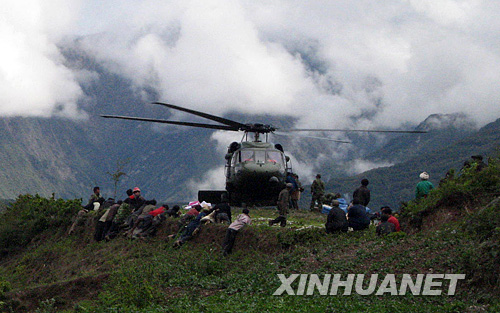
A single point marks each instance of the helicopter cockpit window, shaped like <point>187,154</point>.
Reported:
<point>260,156</point>
<point>274,157</point>
<point>247,156</point>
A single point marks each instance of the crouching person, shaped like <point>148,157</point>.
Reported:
<point>336,220</point>
<point>104,223</point>
<point>191,229</point>
<point>385,227</point>
<point>357,217</point>
<point>242,220</point>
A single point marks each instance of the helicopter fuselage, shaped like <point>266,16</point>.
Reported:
<point>255,172</point>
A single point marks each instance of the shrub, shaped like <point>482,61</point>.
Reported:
<point>30,216</point>
<point>469,189</point>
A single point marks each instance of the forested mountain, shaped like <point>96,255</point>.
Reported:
<point>395,184</point>
<point>69,157</point>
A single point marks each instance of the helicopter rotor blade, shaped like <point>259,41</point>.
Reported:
<point>204,115</point>
<point>200,125</point>
<point>353,130</point>
<point>314,137</point>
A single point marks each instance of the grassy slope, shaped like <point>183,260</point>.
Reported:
<point>76,274</point>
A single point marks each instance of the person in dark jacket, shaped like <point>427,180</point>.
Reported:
<point>173,212</point>
<point>385,227</point>
<point>362,194</point>
<point>95,202</point>
<point>223,210</point>
<point>336,220</point>
<point>295,194</point>
<point>191,229</point>
<point>136,200</point>
<point>357,217</point>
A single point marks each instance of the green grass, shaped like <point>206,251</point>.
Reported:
<point>53,272</point>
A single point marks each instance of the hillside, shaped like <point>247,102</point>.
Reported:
<point>453,231</point>
<point>396,184</point>
<point>442,130</point>
<point>69,157</point>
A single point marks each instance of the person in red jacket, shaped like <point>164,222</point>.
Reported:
<point>388,211</point>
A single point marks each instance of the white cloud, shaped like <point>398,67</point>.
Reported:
<point>360,166</point>
<point>323,62</point>
<point>33,78</point>
<point>213,179</point>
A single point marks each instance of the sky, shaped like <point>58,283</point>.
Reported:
<point>327,64</point>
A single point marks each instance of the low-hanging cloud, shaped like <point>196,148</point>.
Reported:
<point>360,166</point>
<point>327,64</point>
<point>34,80</point>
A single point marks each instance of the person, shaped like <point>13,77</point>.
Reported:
<point>104,223</point>
<point>343,205</point>
<point>192,228</point>
<point>223,210</point>
<point>385,227</point>
<point>290,178</point>
<point>295,196</point>
<point>336,220</point>
<point>141,219</point>
<point>95,201</point>
<point>329,197</point>
<point>171,212</point>
<point>423,187</point>
<point>357,217</point>
<point>283,203</point>
<point>136,200</point>
<point>189,216</point>
<point>123,212</point>
<point>362,193</point>
<point>391,218</point>
<point>233,229</point>
<point>194,211</point>
<point>317,191</point>
<point>107,204</point>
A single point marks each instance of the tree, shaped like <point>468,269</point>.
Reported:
<point>117,175</point>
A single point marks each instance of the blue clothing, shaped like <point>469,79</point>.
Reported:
<point>357,217</point>
<point>188,232</point>
<point>343,204</point>
<point>290,179</point>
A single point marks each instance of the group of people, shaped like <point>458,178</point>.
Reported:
<point>136,217</point>
<point>295,191</point>
<point>357,215</point>
<point>201,213</point>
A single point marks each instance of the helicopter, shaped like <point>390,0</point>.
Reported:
<point>255,169</point>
